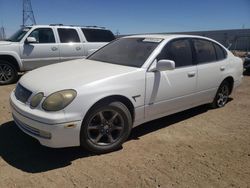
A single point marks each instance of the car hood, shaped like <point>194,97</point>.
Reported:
<point>71,75</point>
<point>5,42</point>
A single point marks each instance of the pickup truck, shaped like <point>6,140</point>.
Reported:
<point>40,45</point>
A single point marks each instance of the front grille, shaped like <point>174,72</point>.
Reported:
<point>22,94</point>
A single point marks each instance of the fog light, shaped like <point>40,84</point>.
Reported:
<point>45,134</point>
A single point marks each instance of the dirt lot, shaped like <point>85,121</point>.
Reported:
<point>196,148</point>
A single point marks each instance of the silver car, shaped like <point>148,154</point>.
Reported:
<point>40,45</point>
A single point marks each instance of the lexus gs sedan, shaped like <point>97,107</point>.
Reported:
<point>95,102</point>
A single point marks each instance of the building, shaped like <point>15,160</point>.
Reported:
<point>234,39</point>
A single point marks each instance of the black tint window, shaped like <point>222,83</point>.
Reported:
<point>43,35</point>
<point>204,51</point>
<point>68,35</point>
<point>98,35</point>
<point>219,52</point>
<point>179,51</point>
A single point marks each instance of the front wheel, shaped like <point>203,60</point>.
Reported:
<point>222,95</point>
<point>106,127</point>
<point>8,73</point>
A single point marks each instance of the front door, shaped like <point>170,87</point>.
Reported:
<point>171,91</point>
<point>43,52</point>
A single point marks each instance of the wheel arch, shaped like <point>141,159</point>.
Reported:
<point>13,60</point>
<point>230,80</point>
<point>108,99</point>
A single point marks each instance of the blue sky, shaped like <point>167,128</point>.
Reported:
<point>133,16</point>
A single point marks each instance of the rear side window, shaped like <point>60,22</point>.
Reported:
<point>205,51</point>
<point>68,35</point>
<point>43,35</point>
<point>98,35</point>
<point>179,51</point>
<point>220,53</point>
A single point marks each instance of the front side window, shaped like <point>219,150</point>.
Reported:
<point>205,51</point>
<point>68,35</point>
<point>179,51</point>
<point>98,35</point>
<point>43,35</point>
<point>127,51</point>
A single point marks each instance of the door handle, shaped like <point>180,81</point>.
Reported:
<point>78,48</point>
<point>191,74</point>
<point>222,68</point>
<point>54,48</point>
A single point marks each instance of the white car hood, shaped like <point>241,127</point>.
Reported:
<point>71,75</point>
<point>5,43</point>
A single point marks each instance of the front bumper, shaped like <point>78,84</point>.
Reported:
<point>54,135</point>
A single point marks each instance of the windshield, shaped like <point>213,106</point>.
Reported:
<point>17,37</point>
<point>127,51</point>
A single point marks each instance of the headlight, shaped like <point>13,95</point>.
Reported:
<point>35,101</point>
<point>59,100</point>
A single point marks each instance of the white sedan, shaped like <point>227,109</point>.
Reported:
<point>95,102</point>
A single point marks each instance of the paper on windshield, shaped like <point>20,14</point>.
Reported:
<point>152,40</point>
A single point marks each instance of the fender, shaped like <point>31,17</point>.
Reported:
<point>138,104</point>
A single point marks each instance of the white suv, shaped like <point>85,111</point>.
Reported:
<point>95,102</point>
<point>40,45</point>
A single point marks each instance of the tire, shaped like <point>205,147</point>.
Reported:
<point>106,127</point>
<point>221,96</point>
<point>8,73</point>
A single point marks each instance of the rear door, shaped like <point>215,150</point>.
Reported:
<point>172,90</point>
<point>211,66</point>
<point>43,52</point>
<point>95,39</point>
<point>70,45</point>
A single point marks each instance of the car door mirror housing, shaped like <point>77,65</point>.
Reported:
<point>163,65</point>
<point>31,40</point>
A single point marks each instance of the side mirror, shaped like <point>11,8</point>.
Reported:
<point>31,40</point>
<point>163,65</point>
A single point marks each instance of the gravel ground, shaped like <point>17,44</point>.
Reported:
<point>199,147</point>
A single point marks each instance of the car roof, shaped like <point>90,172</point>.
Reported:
<point>68,26</point>
<point>166,36</point>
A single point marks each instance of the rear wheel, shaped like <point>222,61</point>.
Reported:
<point>222,95</point>
<point>106,127</point>
<point>8,73</point>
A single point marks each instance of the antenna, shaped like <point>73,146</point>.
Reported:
<point>28,14</point>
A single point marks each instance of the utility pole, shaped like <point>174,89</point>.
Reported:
<point>28,14</point>
<point>2,33</point>
<point>117,33</point>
